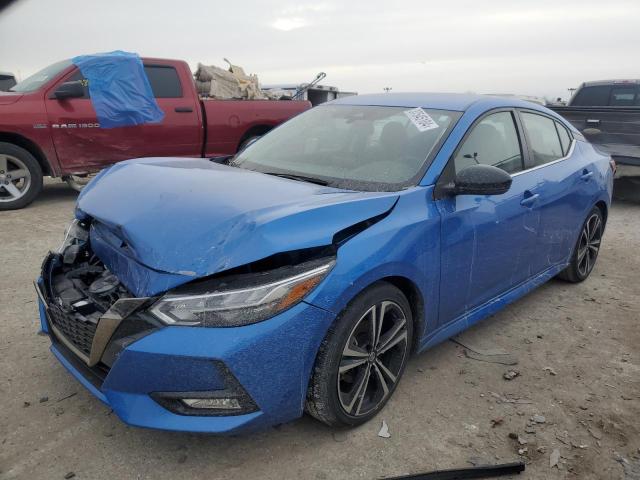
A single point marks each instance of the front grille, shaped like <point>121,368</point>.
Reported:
<point>75,329</point>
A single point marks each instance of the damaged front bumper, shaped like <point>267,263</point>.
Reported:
<point>143,369</point>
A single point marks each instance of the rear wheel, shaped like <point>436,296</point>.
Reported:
<point>362,358</point>
<point>20,177</point>
<point>586,250</point>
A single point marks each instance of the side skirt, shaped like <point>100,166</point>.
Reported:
<point>489,308</point>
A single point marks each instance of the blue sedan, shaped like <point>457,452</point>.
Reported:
<point>229,294</point>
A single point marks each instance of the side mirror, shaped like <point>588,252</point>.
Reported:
<point>69,90</point>
<point>481,180</point>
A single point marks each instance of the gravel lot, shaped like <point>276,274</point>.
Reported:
<point>578,364</point>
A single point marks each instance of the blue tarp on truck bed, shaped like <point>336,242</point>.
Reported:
<point>119,88</point>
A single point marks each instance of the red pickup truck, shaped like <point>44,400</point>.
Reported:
<point>48,127</point>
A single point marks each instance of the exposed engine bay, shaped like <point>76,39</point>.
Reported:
<point>80,293</point>
<point>82,283</point>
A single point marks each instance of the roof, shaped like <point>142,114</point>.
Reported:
<point>7,74</point>
<point>610,82</point>
<point>439,101</point>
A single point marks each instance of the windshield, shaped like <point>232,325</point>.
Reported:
<point>35,81</point>
<point>356,147</point>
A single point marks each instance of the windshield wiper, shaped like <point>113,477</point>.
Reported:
<point>301,178</point>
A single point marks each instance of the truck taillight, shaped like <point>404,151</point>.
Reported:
<point>612,164</point>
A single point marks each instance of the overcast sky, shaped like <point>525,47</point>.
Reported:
<point>533,47</point>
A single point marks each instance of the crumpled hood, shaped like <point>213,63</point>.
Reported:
<point>7,98</point>
<point>195,217</point>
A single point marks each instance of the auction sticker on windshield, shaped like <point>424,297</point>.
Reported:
<point>421,119</point>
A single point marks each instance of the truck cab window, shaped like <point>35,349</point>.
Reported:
<point>164,81</point>
<point>77,76</point>
<point>595,96</point>
<point>623,96</point>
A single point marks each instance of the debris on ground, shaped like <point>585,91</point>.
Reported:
<point>538,419</point>
<point>550,370</point>
<point>496,422</point>
<point>69,475</point>
<point>503,399</point>
<point>44,399</point>
<point>510,374</point>
<point>384,430</point>
<point>484,356</point>
<point>631,469</point>
<point>480,471</point>
<point>67,397</point>
<point>554,458</point>
<point>594,433</point>
<point>478,461</point>
<point>513,435</point>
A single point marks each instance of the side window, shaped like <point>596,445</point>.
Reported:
<point>164,81</point>
<point>493,141</point>
<point>565,139</point>
<point>596,96</point>
<point>623,96</point>
<point>77,76</point>
<point>543,138</point>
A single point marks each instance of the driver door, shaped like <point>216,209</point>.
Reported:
<point>487,241</point>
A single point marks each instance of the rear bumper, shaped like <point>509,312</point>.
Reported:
<point>626,170</point>
<point>270,361</point>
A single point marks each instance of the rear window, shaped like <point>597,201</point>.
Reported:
<point>596,96</point>
<point>623,96</point>
<point>164,81</point>
<point>565,139</point>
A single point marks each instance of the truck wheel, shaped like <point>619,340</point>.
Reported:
<point>20,177</point>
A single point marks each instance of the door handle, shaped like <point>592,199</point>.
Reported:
<point>593,122</point>
<point>183,109</point>
<point>586,175</point>
<point>529,199</point>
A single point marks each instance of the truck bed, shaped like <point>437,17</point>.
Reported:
<point>229,123</point>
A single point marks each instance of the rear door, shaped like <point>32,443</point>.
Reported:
<point>487,240</point>
<point>82,145</point>
<point>567,184</point>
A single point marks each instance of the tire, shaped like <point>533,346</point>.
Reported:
<point>333,397</point>
<point>20,177</point>
<point>585,252</point>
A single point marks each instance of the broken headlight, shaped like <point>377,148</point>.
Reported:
<point>75,234</point>
<point>245,299</point>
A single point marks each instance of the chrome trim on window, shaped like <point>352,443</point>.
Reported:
<point>569,153</point>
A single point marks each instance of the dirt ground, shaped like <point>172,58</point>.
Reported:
<point>578,363</point>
